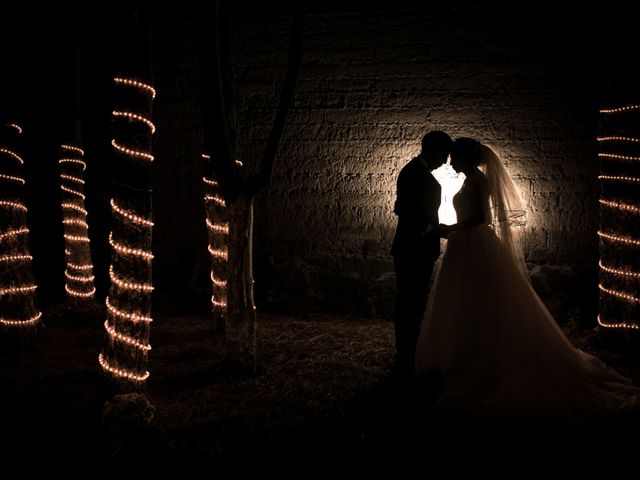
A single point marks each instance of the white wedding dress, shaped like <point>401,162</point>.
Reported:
<point>495,345</point>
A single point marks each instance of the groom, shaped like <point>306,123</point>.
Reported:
<point>415,246</point>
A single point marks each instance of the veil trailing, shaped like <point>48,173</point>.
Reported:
<point>507,209</point>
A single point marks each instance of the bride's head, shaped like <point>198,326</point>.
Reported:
<point>466,154</point>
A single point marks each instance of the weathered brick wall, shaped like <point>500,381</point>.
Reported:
<point>370,86</point>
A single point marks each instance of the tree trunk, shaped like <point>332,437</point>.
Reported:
<point>19,314</point>
<point>125,355</point>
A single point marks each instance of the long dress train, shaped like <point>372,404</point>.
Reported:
<point>495,345</point>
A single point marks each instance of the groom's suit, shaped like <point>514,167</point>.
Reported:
<point>414,251</point>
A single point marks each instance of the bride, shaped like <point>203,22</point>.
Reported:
<point>486,333</point>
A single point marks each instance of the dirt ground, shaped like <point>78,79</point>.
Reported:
<point>320,401</point>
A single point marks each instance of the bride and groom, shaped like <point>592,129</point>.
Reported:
<point>483,330</point>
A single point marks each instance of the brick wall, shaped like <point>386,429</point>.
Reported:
<point>370,86</point>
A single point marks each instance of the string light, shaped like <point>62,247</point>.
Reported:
<point>136,286</point>
<point>619,139</point>
<point>218,303</point>
<point>16,290</point>
<point>71,178</point>
<point>73,161</point>
<point>76,223</point>
<point>73,149</point>
<point>618,325</point>
<point>16,127</point>
<point>221,228</point>
<point>620,109</point>
<point>218,282</point>
<point>130,152</point>
<point>124,250</point>
<point>214,198</point>
<point>618,157</point>
<point>76,238</point>
<point>210,182</point>
<point>135,83</point>
<point>11,178</point>
<point>125,338</point>
<point>15,258</point>
<point>77,278</point>
<point>130,216</point>
<point>133,116</point>
<point>615,271</point>
<point>75,266</point>
<point>119,372</point>
<point>618,178</point>
<point>76,293</point>
<point>219,253</point>
<point>13,233</point>
<point>71,206</point>
<point>617,238</point>
<point>620,294</point>
<point>620,206</point>
<point>134,317</point>
<point>21,323</point>
<point>13,155</point>
<point>13,205</point>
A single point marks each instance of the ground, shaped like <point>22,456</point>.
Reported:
<point>321,400</point>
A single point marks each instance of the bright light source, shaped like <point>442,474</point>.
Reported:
<point>451,182</point>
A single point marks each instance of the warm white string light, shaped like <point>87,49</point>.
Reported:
<point>71,206</point>
<point>13,155</point>
<point>619,139</point>
<point>620,294</point>
<point>135,117</point>
<point>11,178</point>
<point>71,178</point>
<point>219,253</point>
<point>73,149</point>
<point>21,323</point>
<point>73,161</point>
<point>619,178</point>
<point>77,293</point>
<point>130,152</point>
<point>17,290</point>
<point>221,228</point>
<point>76,238</point>
<point>79,278</point>
<point>125,338</point>
<point>125,284</point>
<point>15,258</point>
<point>75,222</point>
<point>626,207</point>
<point>626,108</point>
<point>615,271</point>
<point>620,239</point>
<point>618,325</point>
<point>210,182</point>
<point>218,303</point>
<point>134,317</point>
<point>618,157</point>
<point>13,205</point>
<point>75,266</point>
<point>218,282</point>
<point>119,372</point>
<point>215,199</point>
<point>130,216</point>
<point>72,192</point>
<point>135,83</point>
<point>16,127</point>
<point>124,250</point>
<point>13,233</point>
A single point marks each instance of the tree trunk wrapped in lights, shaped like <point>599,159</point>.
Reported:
<point>124,357</point>
<point>79,271</point>
<point>218,233</point>
<point>236,190</point>
<point>18,303</point>
<point>620,217</point>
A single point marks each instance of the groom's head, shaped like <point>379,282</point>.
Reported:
<point>436,146</point>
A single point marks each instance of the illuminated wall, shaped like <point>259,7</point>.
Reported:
<point>370,86</point>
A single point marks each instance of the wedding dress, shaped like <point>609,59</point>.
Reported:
<point>493,342</point>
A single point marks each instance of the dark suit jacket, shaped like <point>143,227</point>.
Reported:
<point>417,204</point>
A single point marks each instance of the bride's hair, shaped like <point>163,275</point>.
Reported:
<point>467,150</point>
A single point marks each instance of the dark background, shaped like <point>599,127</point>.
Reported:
<point>526,77</point>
